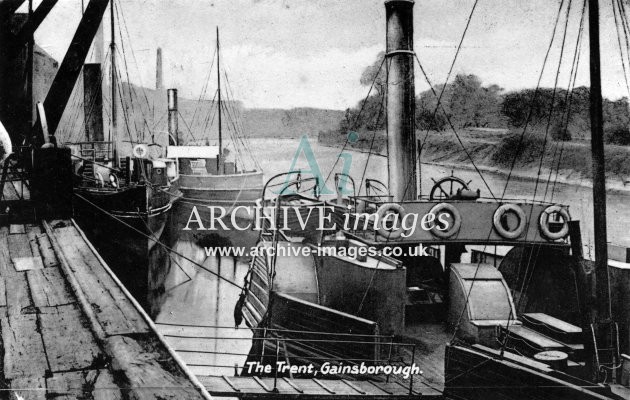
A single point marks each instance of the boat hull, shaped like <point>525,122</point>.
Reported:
<point>472,373</point>
<point>124,235</point>
<point>236,194</point>
<point>225,189</point>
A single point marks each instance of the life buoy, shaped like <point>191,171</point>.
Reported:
<point>6,148</point>
<point>140,151</point>
<point>380,214</point>
<point>113,180</point>
<point>501,212</point>
<point>457,220</point>
<point>544,223</point>
<point>100,179</point>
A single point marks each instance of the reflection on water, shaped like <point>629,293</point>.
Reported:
<point>196,307</point>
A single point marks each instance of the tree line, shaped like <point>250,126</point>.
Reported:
<point>467,103</point>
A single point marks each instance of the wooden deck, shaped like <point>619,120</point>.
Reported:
<point>196,345</point>
<point>247,387</point>
<point>69,328</point>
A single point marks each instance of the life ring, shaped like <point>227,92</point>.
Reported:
<point>501,212</point>
<point>100,179</point>
<point>380,214</point>
<point>6,148</point>
<point>140,151</point>
<point>113,180</point>
<point>457,220</point>
<point>544,223</point>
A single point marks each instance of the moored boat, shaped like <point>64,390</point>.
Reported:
<point>508,332</point>
<point>210,174</point>
<point>122,203</point>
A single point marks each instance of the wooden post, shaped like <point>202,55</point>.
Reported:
<point>599,175</point>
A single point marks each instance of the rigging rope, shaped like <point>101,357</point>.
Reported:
<point>461,143</point>
<point>356,120</point>
<point>204,90</point>
<point>513,163</point>
<point>409,180</point>
<point>519,147</point>
<point>568,101</point>
<point>450,71</point>
<point>157,242</point>
<point>526,281</point>
<point>367,161</point>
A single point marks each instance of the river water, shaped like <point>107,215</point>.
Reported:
<point>196,313</point>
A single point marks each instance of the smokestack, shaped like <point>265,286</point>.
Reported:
<point>98,45</point>
<point>159,85</point>
<point>401,102</point>
<point>93,102</point>
<point>173,129</point>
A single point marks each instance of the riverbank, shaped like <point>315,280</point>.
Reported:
<point>497,151</point>
<point>564,178</point>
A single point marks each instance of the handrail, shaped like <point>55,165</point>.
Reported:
<point>295,182</point>
<point>276,329</point>
<point>99,164</point>
<point>341,174</point>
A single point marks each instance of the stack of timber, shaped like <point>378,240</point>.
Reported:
<point>70,330</point>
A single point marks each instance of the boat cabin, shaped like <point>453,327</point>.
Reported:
<point>200,160</point>
<point>94,165</point>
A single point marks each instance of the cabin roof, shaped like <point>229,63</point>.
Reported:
<point>192,151</point>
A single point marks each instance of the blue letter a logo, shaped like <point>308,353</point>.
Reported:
<point>305,147</point>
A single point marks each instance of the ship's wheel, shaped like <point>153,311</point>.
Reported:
<point>448,188</point>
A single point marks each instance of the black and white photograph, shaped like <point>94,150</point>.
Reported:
<point>315,199</point>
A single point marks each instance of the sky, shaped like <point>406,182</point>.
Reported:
<point>311,53</point>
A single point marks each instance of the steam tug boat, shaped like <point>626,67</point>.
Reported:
<point>122,203</point>
<point>213,175</point>
<point>531,328</point>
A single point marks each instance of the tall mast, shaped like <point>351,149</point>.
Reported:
<point>220,156</point>
<point>599,176</point>
<point>401,135</point>
<point>30,61</point>
<point>114,132</point>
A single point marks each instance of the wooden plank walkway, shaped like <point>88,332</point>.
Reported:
<point>70,330</point>
<point>247,387</point>
<point>196,345</point>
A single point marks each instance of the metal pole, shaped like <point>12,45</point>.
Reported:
<point>173,122</point>
<point>275,378</point>
<point>401,135</point>
<point>413,360</point>
<point>599,173</point>
<point>219,160</point>
<point>112,46</point>
<point>29,65</point>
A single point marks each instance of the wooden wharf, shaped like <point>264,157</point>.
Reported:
<point>69,329</point>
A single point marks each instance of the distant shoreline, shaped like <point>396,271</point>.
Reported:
<point>612,185</point>
<point>493,152</point>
